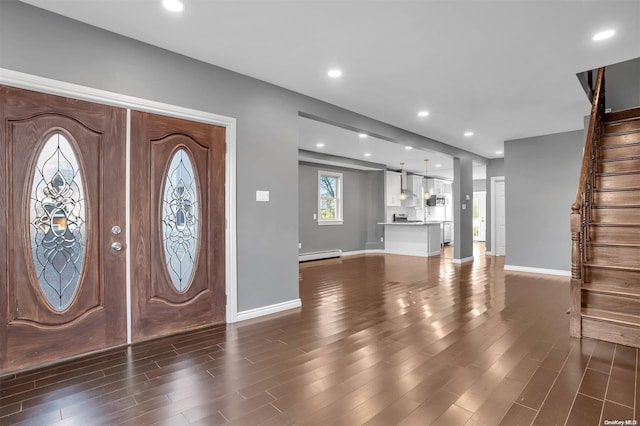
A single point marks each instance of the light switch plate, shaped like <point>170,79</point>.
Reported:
<point>464,206</point>
<point>468,197</point>
<point>262,196</point>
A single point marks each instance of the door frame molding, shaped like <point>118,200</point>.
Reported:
<point>55,87</point>
<point>494,180</point>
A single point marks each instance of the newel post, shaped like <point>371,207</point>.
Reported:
<point>575,307</point>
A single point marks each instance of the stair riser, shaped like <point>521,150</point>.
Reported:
<point>609,302</point>
<point>606,234</point>
<point>620,139</point>
<point>624,114</point>
<point>620,166</point>
<point>620,152</point>
<point>622,280</point>
<point>618,181</point>
<point>616,197</point>
<point>615,333</point>
<point>625,126</point>
<point>614,256</point>
<point>629,215</point>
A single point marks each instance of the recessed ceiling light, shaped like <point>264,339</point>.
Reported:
<point>334,73</point>
<point>423,113</point>
<point>408,147</point>
<point>173,5</point>
<point>320,145</point>
<point>603,35</point>
<point>363,135</point>
<point>438,165</point>
<point>498,152</point>
<point>468,134</point>
<point>367,154</point>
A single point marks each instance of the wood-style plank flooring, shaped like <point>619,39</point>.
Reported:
<point>380,340</point>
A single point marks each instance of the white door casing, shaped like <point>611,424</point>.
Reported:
<point>498,216</point>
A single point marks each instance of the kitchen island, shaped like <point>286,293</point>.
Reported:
<point>412,238</point>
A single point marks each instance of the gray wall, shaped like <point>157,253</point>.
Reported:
<point>463,219</point>
<point>41,43</point>
<point>622,85</point>
<point>363,208</point>
<point>44,44</point>
<point>541,180</point>
<point>495,168</point>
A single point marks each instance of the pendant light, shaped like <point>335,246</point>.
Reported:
<point>426,192</point>
<point>403,195</point>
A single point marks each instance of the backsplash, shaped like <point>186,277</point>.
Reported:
<point>436,213</point>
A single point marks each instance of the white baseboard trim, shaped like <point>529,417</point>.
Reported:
<point>412,253</point>
<point>267,310</point>
<point>326,254</point>
<point>358,252</point>
<point>463,260</point>
<point>488,253</point>
<point>517,268</point>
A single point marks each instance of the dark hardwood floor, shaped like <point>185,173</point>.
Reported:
<point>380,340</point>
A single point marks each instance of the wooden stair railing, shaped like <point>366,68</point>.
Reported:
<point>580,210</point>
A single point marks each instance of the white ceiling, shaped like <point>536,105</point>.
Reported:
<point>346,143</point>
<point>504,69</point>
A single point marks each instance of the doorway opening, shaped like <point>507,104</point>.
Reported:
<point>479,216</point>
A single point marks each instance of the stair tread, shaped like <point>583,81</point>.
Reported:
<point>602,315</point>
<point>618,159</point>
<point>623,188</point>
<point>615,291</point>
<point>621,115</point>
<point>610,133</point>
<point>613,267</point>
<point>616,225</point>
<point>612,244</point>
<point>633,172</point>
<point>615,206</point>
<point>618,145</point>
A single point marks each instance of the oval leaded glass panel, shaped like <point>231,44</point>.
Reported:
<point>180,219</point>
<point>58,218</point>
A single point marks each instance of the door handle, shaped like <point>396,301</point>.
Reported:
<point>116,246</point>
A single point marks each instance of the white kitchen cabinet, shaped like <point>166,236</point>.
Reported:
<point>438,187</point>
<point>393,188</point>
<point>447,188</point>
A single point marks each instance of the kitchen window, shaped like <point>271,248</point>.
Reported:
<point>329,198</point>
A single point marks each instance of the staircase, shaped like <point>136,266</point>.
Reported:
<point>608,273</point>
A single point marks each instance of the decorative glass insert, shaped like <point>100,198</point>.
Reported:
<point>58,219</point>
<point>180,219</point>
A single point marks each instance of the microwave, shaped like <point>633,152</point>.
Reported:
<point>436,200</point>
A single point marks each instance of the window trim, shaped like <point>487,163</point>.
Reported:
<point>339,199</point>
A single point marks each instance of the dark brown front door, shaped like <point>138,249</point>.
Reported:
<point>177,224</point>
<point>62,189</point>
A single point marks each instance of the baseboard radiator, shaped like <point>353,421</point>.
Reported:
<point>316,255</point>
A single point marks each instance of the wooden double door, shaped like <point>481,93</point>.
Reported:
<point>64,246</point>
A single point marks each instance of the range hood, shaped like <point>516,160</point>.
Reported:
<point>404,188</point>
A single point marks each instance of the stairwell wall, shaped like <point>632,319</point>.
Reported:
<point>541,176</point>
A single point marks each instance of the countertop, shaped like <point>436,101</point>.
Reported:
<point>410,223</point>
